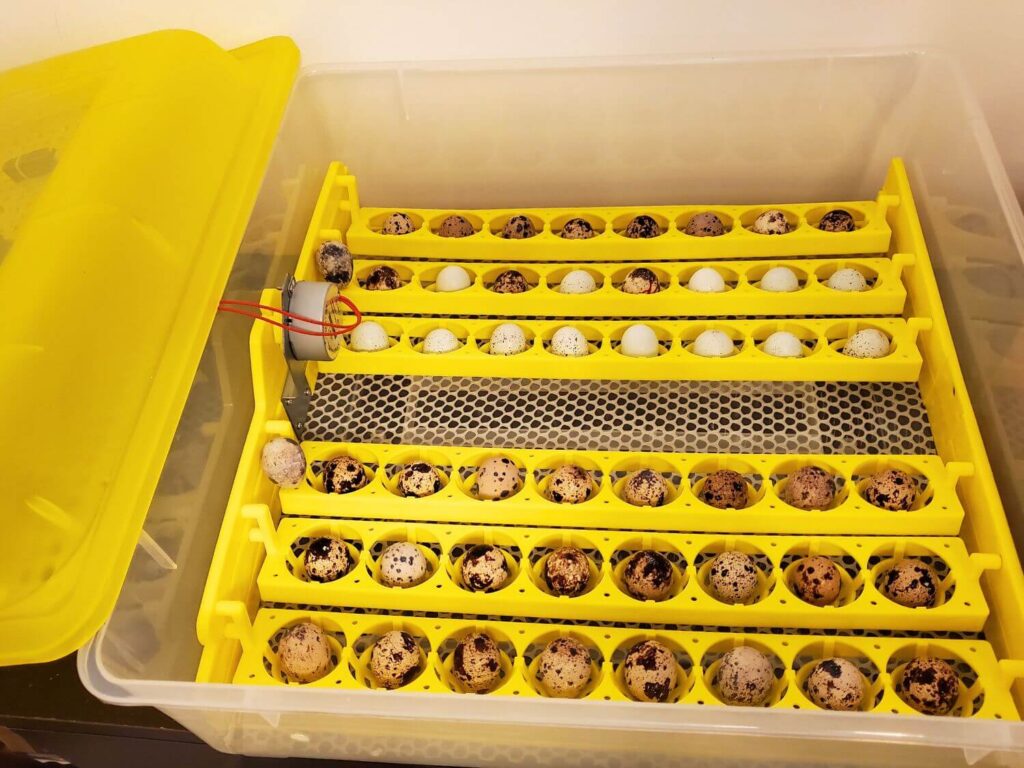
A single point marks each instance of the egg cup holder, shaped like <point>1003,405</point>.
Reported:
<point>418,295</point>
<point>339,215</point>
<point>985,694</point>
<point>823,360</point>
<point>939,513</point>
<point>691,602</point>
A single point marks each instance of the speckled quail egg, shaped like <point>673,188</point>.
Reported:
<point>779,280</point>
<point>642,226</point>
<point>564,668</point>
<point>497,478</point>
<point>508,339</point>
<point>725,489</point>
<point>577,229</point>
<point>783,344</point>
<point>334,260</point>
<point>283,462</point>
<point>745,677</point>
<point>732,577</point>
<point>440,341</point>
<point>403,564</point>
<point>930,685</point>
<point>519,227</point>
<point>837,221</point>
<point>641,280</point>
<point>476,662</point>
<point>327,559</point>
<point>419,480</point>
<point>382,278</point>
<point>836,684</point>
<point>395,659</point>
<point>713,343</point>
<point>911,582</point>
<point>772,222</point>
<point>569,342</point>
<point>570,484</point>
<point>455,226</point>
<point>369,336</point>
<point>484,568</point>
<point>891,489</point>
<point>452,278</point>
<point>645,488</point>
<point>510,281</point>
<point>650,671</point>
<point>304,653</point>
<point>847,279</point>
<point>816,580</point>
<point>705,224</point>
<point>867,342</point>
<point>577,281</point>
<point>648,575</point>
<point>343,474</point>
<point>706,280</point>
<point>810,488</point>
<point>639,340</point>
<point>567,571</point>
<point>397,223</point>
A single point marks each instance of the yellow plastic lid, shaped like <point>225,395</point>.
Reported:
<point>127,175</point>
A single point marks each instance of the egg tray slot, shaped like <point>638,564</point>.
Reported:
<point>822,359</point>
<point>743,295</point>
<point>338,215</point>
<point>984,680</point>
<point>862,564</point>
<point>936,512</point>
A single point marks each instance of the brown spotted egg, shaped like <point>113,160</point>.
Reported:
<point>382,278</point>
<point>816,580</point>
<point>744,677</point>
<point>641,280</point>
<point>564,668</point>
<point>648,575</point>
<point>650,671</point>
<point>497,478</point>
<point>725,489</point>
<point>836,684</point>
<point>810,488</point>
<point>519,227</point>
<point>570,484</point>
<point>930,685</point>
<point>395,659</point>
<point>577,229</point>
<point>645,488</point>
<point>476,662</point>
<point>419,480</point>
<point>334,260</point>
<point>911,582</point>
<point>732,577</point>
<point>484,568</point>
<point>642,226</point>
<point>343,474</point>
<point>397,223</point>
<point>455,226</point>
<point>891,489</point>
<point>304,653</point>
<point>567,571</point>
<point>327,559</point>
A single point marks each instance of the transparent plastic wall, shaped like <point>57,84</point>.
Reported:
<point>579,133</point>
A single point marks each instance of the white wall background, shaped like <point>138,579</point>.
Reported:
<point>986,35</point>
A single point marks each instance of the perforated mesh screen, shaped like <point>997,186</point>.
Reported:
<point>674,416</point>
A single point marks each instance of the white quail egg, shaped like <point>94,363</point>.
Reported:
<point>508,339</point>
<point>779,280</point>
<point>395,659</point>
<point>639,340</point>
<point>744,677</point>
<point>440,341</point>
<point>577,281</point>
<point>403,564</point>
<point>783,344</point>
<point>452,278</point>
<point>706,280</point>
<point>304,653</point>
<point>867,342</point>
<point>847,279</point>
<point>569,342</point>
<point>712,343</point>
<point>771,222</point>
<point>369,336</point>
<point>283,462</point>
<point>564,668</point>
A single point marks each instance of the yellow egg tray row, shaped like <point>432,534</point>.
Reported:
<point>822,359</point>
<point>338,215</point>
<point>743,296</point>
<point>937,510</point>
<point>862,563</point>
<point>984,688</point>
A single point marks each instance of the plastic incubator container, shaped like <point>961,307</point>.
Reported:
<point>144,180</point>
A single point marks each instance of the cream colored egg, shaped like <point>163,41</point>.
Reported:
<point>369,336</point>
<point>847,279</point>
<point>712,343</point>
<point>868,342</point>
<point>452,278</point>
<point>578,281</point>
<point>569,342</point>
<point>508,339</point>
<point>439,341</point>
<point>706,280</point>
<point>780,280</point>
<point>639,340</point>
<point>783,344</point>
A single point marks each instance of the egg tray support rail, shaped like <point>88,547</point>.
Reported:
<point>231,596</point>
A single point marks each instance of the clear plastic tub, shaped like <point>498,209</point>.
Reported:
<point>551,134</point>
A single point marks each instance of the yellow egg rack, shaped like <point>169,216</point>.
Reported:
<point>862,562</point>
<point>743,296</point>
<point>822,360</point>
<point>338,211</point>
<point>984,688</point>
<point>937,511</point>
